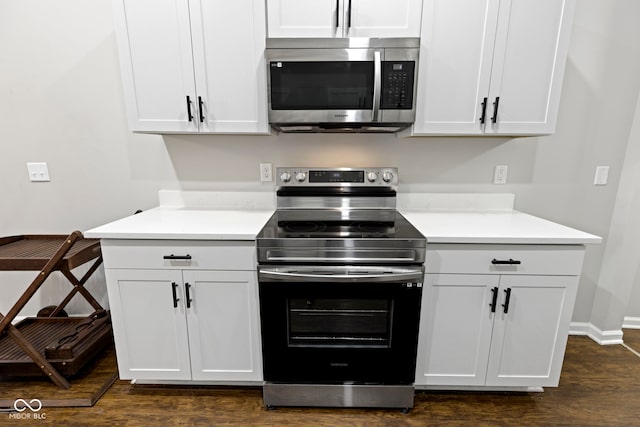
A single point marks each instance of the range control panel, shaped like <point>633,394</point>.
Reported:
<point>294,176</point>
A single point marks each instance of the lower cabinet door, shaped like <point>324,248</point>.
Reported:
<point>149,324</point>
<point>224,331</point>
<point>530,332</point>
<point>455,329</point>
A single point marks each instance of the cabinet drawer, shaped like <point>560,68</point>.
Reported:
<point>182,254</point>
<point>504,259</point>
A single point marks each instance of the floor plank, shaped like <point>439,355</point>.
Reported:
<point>598,387</point>
<point>87,386</point>
<point>631,337</point>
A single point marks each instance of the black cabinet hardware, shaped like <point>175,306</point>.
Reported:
<point>337,13</point>
<point>178,257</point>
<point>189,115</point>
<point>200,109</point>
<point>174,287</point>
<point>507,298</point>
<point>494,299</point>
<point>187,287</point>
<point>496,104</point>
<point>349,16</point>
<point>484,111</point>
<point>505,261</point>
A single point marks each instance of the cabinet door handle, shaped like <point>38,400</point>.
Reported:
<point>178,257</point>
<point>189,115</point>
<point>484,111</point>
<point>349,16</point>
<point>200,109</point>
<point>494,299</point>
<point>174,287</point>
<point>509,261</point>
<point>507,298</point>
<point>337,14</point>
<point>188,288</point>
<point>496,104</point>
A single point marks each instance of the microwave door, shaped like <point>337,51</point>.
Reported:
<point>332,88</point>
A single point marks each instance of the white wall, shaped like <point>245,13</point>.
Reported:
<point>61,102</point>
<point>621,261</point>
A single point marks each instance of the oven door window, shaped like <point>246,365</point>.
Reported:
<point>329,85</point>
<point>339,322</point>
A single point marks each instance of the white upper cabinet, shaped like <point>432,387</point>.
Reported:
<point>344,18</point>
<point>193,65</point>
<point>156,62</point>
<point>491,66</point>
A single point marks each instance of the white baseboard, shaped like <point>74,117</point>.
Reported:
<point>631,322</point>
<point>601,337</point>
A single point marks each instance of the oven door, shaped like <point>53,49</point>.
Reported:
<point>340,324</point>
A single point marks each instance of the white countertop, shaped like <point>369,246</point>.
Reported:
<point>494,227</point>
<point>184,223</point>
<point>475,222</point>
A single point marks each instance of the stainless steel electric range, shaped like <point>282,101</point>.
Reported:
<point>340,273</point>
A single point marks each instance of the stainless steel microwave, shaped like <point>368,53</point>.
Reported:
<point>342,85</point>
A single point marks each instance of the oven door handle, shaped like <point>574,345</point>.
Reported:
<point>340,259</point>
<point>389,275</point>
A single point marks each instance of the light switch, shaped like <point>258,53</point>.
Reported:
<point>38,171</point>
<point>602,175</point>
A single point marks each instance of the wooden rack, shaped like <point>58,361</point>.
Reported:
<point>50,344</point>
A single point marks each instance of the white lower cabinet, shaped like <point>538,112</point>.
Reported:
<point>185,324</point>
<point>502,325</point>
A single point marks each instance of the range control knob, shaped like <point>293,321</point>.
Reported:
<point>301,176</point>
<point>387,176</point>
<point>372,176</point>
<point>285,176</point>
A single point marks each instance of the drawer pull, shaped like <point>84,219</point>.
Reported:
<point>494,299</point>
<point>507,298</point>
<point>505,262</point>
<point>179,257</point>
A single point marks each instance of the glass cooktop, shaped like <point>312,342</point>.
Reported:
<point>280,226</point>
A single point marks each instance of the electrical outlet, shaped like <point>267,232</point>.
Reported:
<point>266,172</point>
<point>500,174</point>
<point>38,171</point>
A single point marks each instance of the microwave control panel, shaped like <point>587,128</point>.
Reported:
<point>397,85</point>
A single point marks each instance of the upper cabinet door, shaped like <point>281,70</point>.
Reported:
<point>344,18</point>
<point>228,55</point>
<point>382,18</point>
<point>308,18</point>
<point>532,41</point>
<point>491,66</point>
<point>456,50</point>
<point>154,40</point>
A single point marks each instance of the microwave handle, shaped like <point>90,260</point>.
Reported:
<point>377,82</point>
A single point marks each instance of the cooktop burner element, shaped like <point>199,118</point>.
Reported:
<point>302,226</point>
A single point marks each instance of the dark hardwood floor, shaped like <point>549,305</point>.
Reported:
<point>599,387</point>
<point>631,337</point>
